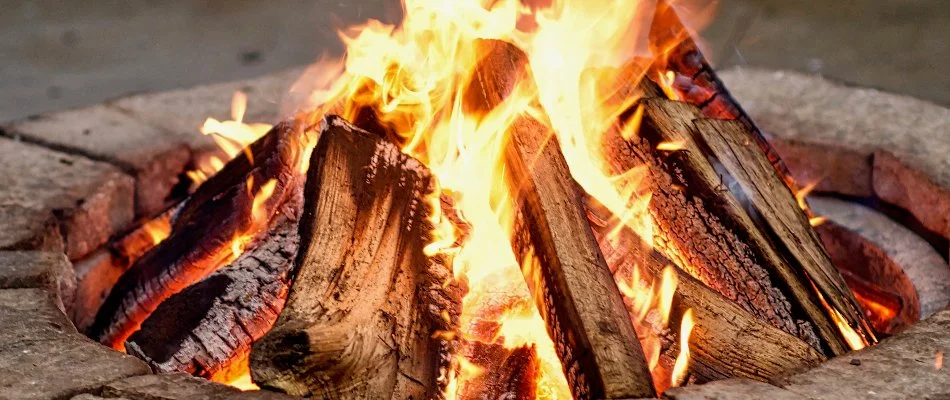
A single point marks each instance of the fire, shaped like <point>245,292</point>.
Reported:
<point>412,79</point>
<point>244,382</point>
<point>231,136</point>
<point>816,221</point>
<point>802,193</point>
<point>157,229</point>
<point>938,360</point>
<point>682,360</point>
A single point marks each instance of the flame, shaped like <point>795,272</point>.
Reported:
<point>243,382</point>
<point>816,221</point>
<point>802,193</point>
<point>157,229</point>
<point>670,146</point>
<point>410,81</point>
<point>232,136</point>
<point>682,360</point>
<point>938,360</point>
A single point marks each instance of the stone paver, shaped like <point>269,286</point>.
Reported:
<point>865,140</point>
<point>55,201</point>
<point>154,156</point>
<point>901,367</point>
<point>183,111</point>
<point>180,386</point>
<point>42,356</point>
<point>39,270</point>
<point>730,389</point>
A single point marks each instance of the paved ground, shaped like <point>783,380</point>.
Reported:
<point>56,54</point>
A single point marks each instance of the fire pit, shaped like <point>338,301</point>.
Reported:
<point>441,216</point>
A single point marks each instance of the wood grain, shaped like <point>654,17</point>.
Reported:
<point>365,303</point>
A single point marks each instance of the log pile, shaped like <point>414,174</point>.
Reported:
<point>335,297</point>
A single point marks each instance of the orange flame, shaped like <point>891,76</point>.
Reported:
<point>938,360</point>
<point>157,229</point>
<point>817,221</point>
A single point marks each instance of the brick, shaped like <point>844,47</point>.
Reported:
<point>180,386</point>
<point>900,367</point>
<point>926,270</point>
<point>54,201</point>
<point>153,155</point>
<point>730,389</point>
<point>904,139</point>
<point>39,270</point>
<point>42,356</point>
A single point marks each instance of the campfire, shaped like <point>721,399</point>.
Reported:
<point>508,200</point>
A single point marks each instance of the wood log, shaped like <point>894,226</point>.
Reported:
<point>506,373</point>
<point>203,232</point>
<point>207,329</point>
<point>695,81</point>
<point>368,311</point>
<point>703,226</point>
<point>727,341</point>
<point>774,208</point>
<point>563,267</point>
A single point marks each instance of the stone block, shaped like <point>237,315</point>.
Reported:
<point>42,356</point>
<point>183,111</point>
<point>730,389</point>
<point>900,367</point>
<point>39,270</point>
<point>100,132</point>
<point>180,386</point>
<point>55,201</point>
<point>903,140</point>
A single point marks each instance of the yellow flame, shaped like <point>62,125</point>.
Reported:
<point>244,382</point>
<point>938,360</point>
<point>816,221</point>
<point>158,229</point>
<point>803,193</point>
<point>682,360</point>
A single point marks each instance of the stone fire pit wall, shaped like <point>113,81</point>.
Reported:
<point>70,180</point>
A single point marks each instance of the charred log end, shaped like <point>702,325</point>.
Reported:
<point>509,373</point>
<point>203,230</point>
<point>358,322</point>
<point>207,329</point>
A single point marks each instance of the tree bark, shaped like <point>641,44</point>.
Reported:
<point>368,315</point>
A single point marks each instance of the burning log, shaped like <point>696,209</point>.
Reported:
<point>727,341</point>
<point>504,373</point>
<point>369,315</point>
<point>695,81</point>
<point>212,226</point>
<point>207,329</point>
<point>739,232</point>
<point>98,272</point>
<point>562,264</point>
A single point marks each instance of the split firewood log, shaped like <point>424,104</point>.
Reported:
<point>369,314</point>
<point>563,266</point>
<point>207,329</point>
<point>223,209</point>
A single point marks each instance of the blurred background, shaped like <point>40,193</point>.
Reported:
<point>57,54</point>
